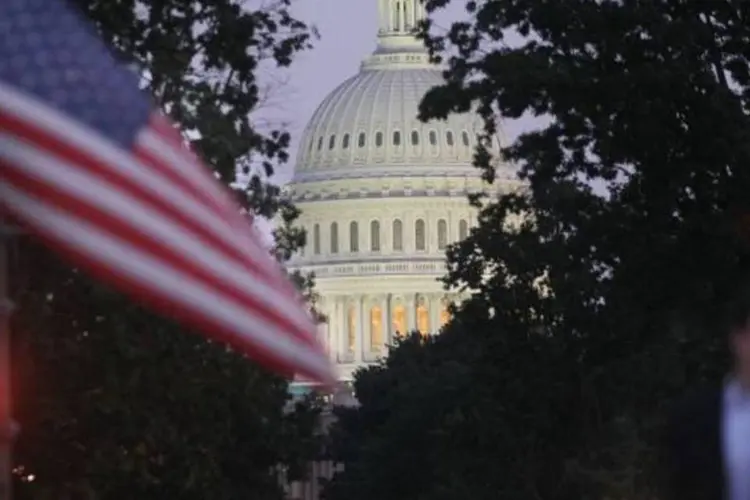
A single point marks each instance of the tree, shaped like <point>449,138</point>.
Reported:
<point>606,299</point>
<point>113,401</point>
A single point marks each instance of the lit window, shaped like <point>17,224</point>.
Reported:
<point>334,237</point>
<point>376,329</point>
<point>396,138</point>
<point>419,235</point>
<point>345,142</point>
<point>375,236</point>
<point>399,320</point>
<point>445,315</point>
<point>361,141</point>
<point>316,239</point>
<point>423,319</point>
<point>353,237</point>
<point>415,138</point>
<point>379,139</point>
<point>442,228</point>
<point>398,235</point>
<point>463,230</point>
<point>351,331</point>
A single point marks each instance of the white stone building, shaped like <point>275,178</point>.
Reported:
<point>382,195</point>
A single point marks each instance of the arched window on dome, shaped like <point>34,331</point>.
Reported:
<point>316,239</point>
<point>420,242</point>
<point>465,138</point>
<point>320,143</point>
<point>449,138</point>
<point>398,236</point>
<point>334,237</point>
<point>396,138</point>
<point>374,236</point>
<point>353,237</point>
<point>463,230</point>
<point>361,140</point>
<point>345,141</point>
<point>415,138</point>
<point>433,138</point>
<point>442,234</point>
<point>378,139</point>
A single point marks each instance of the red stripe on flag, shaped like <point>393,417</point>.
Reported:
<point>147,294</point>
<point>206,233</point>
<point>117,226</point>
<point>177,241</point>
<point>160,147</point>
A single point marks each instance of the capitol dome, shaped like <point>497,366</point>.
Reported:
<point>382,196</point>
<point>370,122</point>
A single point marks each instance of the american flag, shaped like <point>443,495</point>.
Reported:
<point>91,168</point>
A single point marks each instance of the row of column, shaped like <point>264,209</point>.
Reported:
<point>400,15</point>
<point>359,328</point>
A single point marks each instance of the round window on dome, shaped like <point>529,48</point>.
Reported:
<point>378,139</point>
<point>362,140</point>
<point>396,138</point>
<point>449,138</point>
<point>345,141</point>
<point>415,138</point>
<point>332,141</point>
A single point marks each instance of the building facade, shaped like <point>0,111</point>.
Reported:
<point>382,196</point>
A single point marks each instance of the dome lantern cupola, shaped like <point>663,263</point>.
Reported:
<point>400,17</point>
<point>398,47</point>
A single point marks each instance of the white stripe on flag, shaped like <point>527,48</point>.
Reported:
<point>133,264</point>
<point>93,143</point>
<point>66,177</point>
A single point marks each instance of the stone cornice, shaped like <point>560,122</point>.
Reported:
<point>422,266</point>
<point>404,186</point>
<point>459,169</point>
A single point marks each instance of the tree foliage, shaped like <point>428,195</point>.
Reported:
<point>606,299</point>
<point>113,401</point>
